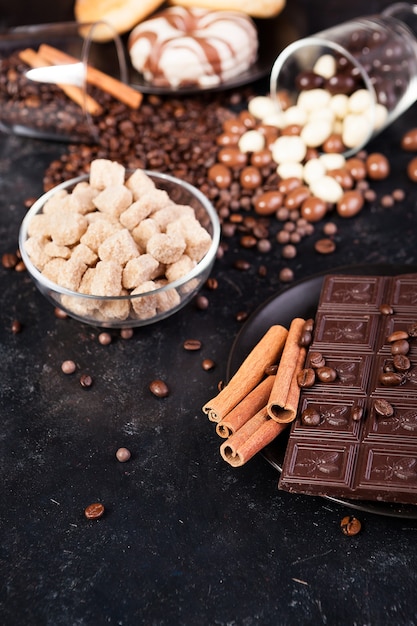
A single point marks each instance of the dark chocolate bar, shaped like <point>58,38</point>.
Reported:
<point>356,436</point>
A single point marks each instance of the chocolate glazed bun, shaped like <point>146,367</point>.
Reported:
<point>122,15</point>
<point>178,47</point>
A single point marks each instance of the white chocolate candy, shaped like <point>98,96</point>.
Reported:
<point>325,66</point>
<point>315,133</point>
<point>327,188</point>
<point>251,141</point>
<point>262,107</point>
<point>313,99</point>
<point>356,129</point>
<point>288,148</point>
<point>313,169</point>
<point>290,170</point>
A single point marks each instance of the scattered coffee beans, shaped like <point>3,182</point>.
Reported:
<point>192,344</point>
<point>159,388</point>
<point>94,511</point>
<point>86,381</point>
<point>350,525</point>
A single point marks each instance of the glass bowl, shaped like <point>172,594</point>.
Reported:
<point>164,297</point>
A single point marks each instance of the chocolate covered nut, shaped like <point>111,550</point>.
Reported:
<point>159,388</point>
<point>401,346</point>
<point>232,157</point>
<point>350,204</point>
<point>377,166</point>
<point>390,379</point>
<point>268,202</point>
<point>356,167</point>
<point>412,170</point>
<point>250,177</point>
<point>317,359</point>
<point>386,309</point>
<point>326,374</point>
<point>409,140</point>
<point>221,175</point>
<point>401,363</point>
<point>313,209</point>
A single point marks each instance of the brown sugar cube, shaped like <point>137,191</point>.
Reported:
<point>84,253</point>
<point>54,250</point>
<point>135,214</point>
<point>114,199</point>
<point>170,213</point>
<point>140,270</point>
<point>72,273</point>
<point>79,306</point>
<point>81,198</point>
<point>67,228</point>
<point>144,231</point>
<point>56,202</point>
<point>120,247</point>
<point>167,299</point>
<point>40,226</point>
<point>86,280</point>
<point>145,307</point>
<point>52,270</point>
<point>114,309</point>
<point>107,279</point>
<point>180,268</point>
<point>156,200</point>
<point>104,172</point>
<point>140,184</point>
<point>197,239</point>
<point>97,232</point>
<point>35,247</point>
<point>165,248</point>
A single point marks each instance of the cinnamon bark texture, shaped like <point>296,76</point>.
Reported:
<point>257,433</point>
<point>252,403</point>
<point>122,92</point>
<point>283,401</point>
<point>267,352</point>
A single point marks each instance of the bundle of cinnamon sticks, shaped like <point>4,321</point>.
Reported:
<point>256,406</point>
<point>47,55</point>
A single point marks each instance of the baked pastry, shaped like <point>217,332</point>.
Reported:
<point>182,46</point>
<point>255,8</point>
<point>122,15</point>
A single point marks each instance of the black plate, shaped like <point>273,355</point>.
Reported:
<point>301,300</point>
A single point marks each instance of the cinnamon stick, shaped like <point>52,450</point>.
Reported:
<point>258,432</point>
<point>266,352</point>
<point>76,94</point>
<point>122,92</point>
<point>246,408</point>
<point>283,401</point>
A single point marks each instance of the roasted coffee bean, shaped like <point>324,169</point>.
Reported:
<point>388,366</point>
<point>192,344</point>
<point>86,381</point>
<point>317,359</point>
<point>271,370</point>
<point>309,325</point>
<point>306,378</point>
<point>94,511</point>
<point>326,374</point>
<point>386,309</point>
<point>208,364</point>
<point>383,408</point>
<point>401,363</point>
<point>241,264</point>
<point>16,327</point>
<point>397,335</point>
<point>412,330</point>
<point>202,302</point>
<point>305,338</point>
<point>400,347</point>
<point>390,379</point>
<point>325,246</point>
<point>357,413</point>
<point>241,316</point>
<point>212,283</point>
<point>350,526</point>
<point>248,241</point>
<point>68,367</point>
<point>310,417</point>
<point>9,260</point>
<point>159,388</point>
<point>123,455</point>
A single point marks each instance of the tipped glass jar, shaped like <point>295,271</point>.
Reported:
<point>347,83</point>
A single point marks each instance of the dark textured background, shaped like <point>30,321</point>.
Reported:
<point>185,538</point>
